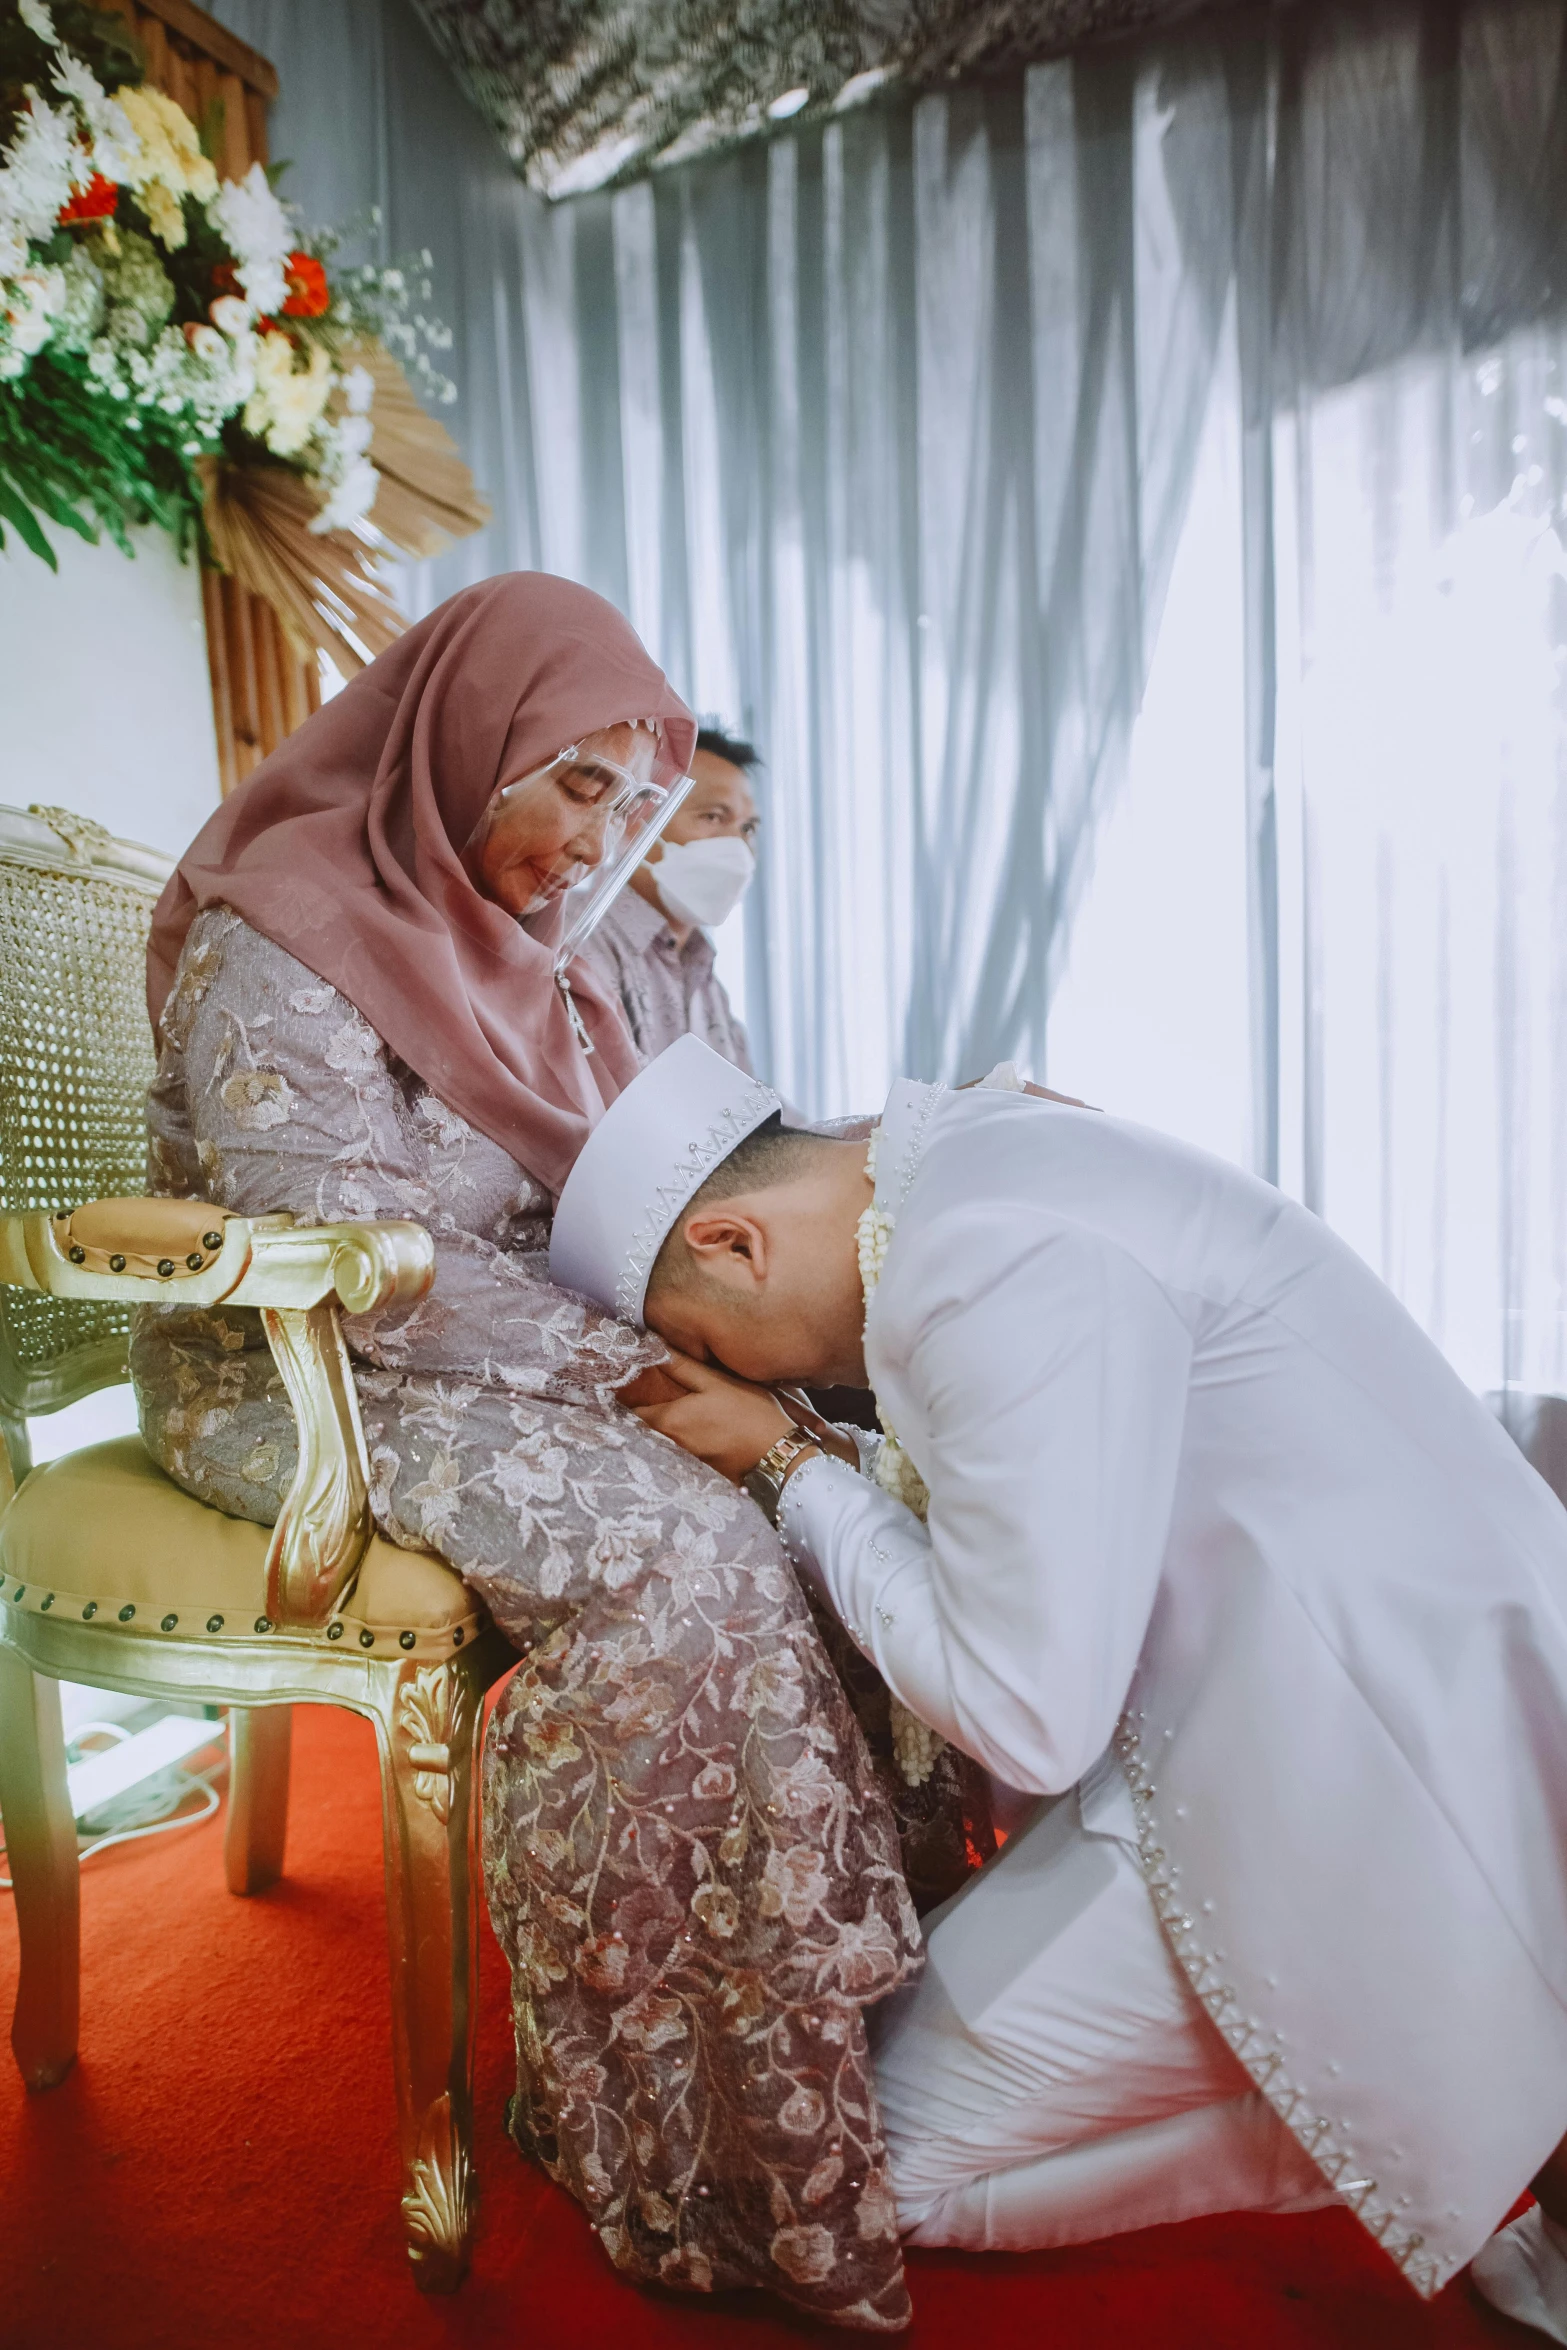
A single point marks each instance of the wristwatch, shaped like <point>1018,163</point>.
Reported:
<point>765,1483</point>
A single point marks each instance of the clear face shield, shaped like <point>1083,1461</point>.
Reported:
<point>582,824</point>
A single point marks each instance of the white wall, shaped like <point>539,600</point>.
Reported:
<point>105,708</point>
<point>103,687</point>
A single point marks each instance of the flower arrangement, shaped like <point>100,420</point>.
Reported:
<point>175,349</point>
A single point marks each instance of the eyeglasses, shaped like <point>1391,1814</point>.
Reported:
<point>607,788</point>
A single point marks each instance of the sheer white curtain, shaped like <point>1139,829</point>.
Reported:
<point>882,435</point>
<point>1423,838</point>
<point>1383,500</point>
<point>899,440</point>
<point>1420,624</point>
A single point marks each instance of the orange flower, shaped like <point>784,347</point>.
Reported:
<point>94,202</point>
<point>308,296</point>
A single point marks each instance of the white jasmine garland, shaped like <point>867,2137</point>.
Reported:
<point>915,1745</point>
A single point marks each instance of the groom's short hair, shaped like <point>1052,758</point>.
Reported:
<point>770,1154</point>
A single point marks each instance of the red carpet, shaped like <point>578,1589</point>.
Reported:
<point>220,2167</point>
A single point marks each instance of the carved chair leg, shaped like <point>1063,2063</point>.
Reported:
<point>40,1840</point>
<point>428,1736</point>
<point>260,1742</point>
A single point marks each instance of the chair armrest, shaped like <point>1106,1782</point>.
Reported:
<point>299,1275</point>
<point>260,1260</point>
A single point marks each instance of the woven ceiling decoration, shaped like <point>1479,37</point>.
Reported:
<point>590,93</point>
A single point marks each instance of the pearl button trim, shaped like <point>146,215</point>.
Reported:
<point>1260,2049</point>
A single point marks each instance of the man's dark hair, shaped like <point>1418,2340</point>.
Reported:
<point>713,739</point>
<point>770,1154</point>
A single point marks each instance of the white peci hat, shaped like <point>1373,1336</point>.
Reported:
<point>655,1145</point>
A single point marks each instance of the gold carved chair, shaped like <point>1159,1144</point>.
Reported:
<point>111,1575</point>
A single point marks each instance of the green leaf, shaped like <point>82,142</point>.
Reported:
<point>59,509</point>
<point>25,524</point>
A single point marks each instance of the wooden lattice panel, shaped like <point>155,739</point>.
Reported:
<point>261,688</point>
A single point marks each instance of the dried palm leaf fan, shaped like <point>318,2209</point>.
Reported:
<point>329,588</point>
<point>427,500</point>
<point>323,585</point>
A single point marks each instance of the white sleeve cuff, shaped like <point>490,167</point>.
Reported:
<point>808,1510</point>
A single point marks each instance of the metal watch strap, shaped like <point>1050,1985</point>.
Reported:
<point>765,1483</point>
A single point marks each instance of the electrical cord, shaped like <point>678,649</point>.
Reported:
<point>158,1818</point>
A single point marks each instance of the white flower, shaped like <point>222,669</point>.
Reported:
<point>259,236</point>
<point>167,164</point>
<point>348,480</point>
<point>38,20</point>
<point>231,315</point>
<point>351,498</point>
<point>32,302</point>
<point>81,311</point>
<point>208,344</point>
<point>44,161</point>
<point>115,147</point>
<point>358,391</point>
<point>287,403</point>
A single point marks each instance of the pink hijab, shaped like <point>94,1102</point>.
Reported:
<point>345,847</point>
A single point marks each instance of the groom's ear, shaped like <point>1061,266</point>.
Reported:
<point>730,1244</point>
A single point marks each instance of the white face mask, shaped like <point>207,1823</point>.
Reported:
<point>703,880</point>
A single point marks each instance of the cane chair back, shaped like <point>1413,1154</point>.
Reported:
<point>110,1574</point>
<point>76,1059</point>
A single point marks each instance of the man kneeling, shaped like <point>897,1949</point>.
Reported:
<point>1187,1531</point>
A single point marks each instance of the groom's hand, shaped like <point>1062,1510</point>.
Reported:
<point>709,1413</point>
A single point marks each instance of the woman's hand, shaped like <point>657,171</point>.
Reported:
<point>710,1414</point>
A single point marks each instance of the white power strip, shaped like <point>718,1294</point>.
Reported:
<point>99,1778</point>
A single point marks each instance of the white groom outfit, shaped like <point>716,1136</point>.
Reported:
<point>1199,1487</point>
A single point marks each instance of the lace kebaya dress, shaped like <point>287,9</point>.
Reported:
<point>691,1858</point>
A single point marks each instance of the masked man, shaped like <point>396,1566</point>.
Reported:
<point>1198,1539</point>
<point>652,948</point>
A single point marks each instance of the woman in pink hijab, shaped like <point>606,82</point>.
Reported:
<point>690,1863</point>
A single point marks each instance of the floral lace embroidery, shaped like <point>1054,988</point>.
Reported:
<point>694,1864</point>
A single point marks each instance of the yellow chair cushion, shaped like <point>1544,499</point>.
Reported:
<point>105,1537</point>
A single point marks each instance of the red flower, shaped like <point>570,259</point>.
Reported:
<point>225,279</point>
<point>308,296</point>
<point>94,202</point>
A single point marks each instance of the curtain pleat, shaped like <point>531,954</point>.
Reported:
<point>884,432</point>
